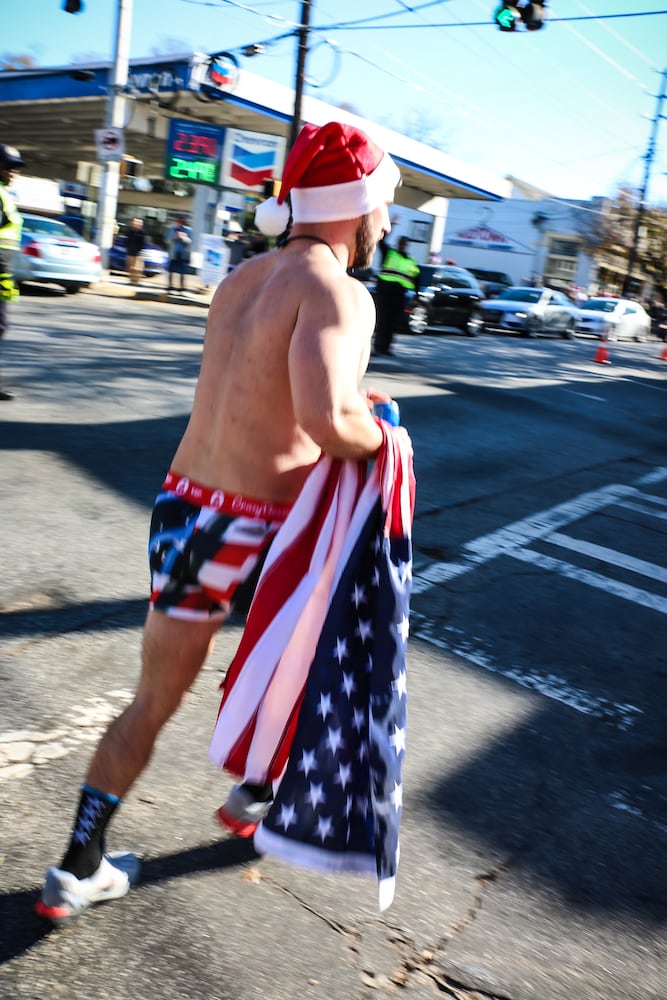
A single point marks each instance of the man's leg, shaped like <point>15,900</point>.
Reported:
<point>381,317</point>
<point>173,654</point>
<point>385,305</point>
<point>133,269</point>
<point>395,314</point>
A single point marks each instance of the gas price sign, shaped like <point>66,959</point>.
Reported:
<point>194,152</point>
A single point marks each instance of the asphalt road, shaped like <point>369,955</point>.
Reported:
<point>535,821</point>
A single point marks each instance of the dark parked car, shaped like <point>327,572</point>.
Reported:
<point>492,282</point>
<point>530,312</point>
<point>448,298</point>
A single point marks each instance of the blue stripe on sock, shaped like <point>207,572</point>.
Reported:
<point>101,795</point>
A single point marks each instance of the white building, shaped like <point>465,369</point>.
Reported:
<point>532,236</point>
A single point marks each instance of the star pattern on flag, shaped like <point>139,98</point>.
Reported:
<point>342,790</point>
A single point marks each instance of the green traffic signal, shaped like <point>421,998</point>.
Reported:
<point>506,15</point>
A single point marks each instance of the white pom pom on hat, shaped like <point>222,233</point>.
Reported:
<point>271,218</point>
<point>332,172</point>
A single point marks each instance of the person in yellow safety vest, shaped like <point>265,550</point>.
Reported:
<point>399,274</point>
<point>11,224</point>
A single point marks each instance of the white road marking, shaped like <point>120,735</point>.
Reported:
<point>611,556</point>
<point>586,395</point>
<point>643,597</point>
<point>622,715</point>
<point>513,541</point>
<point>655,476</point>
<point>521,533</point>
<point>543,525</point>
<point>619,800</point>
<point>642,509</point>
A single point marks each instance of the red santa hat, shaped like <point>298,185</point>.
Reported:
<point>333,172</point>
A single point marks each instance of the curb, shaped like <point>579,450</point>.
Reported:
<point>201,298</point>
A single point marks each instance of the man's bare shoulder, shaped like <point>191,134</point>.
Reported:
<point>280,283</point>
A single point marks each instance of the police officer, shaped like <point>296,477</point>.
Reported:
<point>10,238</point>
<point>399,274</point>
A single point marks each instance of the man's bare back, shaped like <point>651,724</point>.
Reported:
<point>287,343</point>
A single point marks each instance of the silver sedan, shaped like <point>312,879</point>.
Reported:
<point>614,319</point>
<point>530,312</point>
<point>52,253</point>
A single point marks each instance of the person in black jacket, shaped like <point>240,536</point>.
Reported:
<point>135,243</point>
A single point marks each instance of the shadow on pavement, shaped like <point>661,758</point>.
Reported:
<point>127,457</point>
<point>83,617</point>
<point>16,908</point>
<point>572,804</point>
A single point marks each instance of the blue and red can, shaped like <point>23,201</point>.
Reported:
<point>388,411</point>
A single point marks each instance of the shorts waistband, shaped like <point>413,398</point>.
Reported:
<point>226,503</point>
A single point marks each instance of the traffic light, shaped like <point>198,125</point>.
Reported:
<point>73,6</point>
<point>506,16</point>
<point>532,15</point>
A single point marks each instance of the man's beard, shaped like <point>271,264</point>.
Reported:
<point>365,243</point>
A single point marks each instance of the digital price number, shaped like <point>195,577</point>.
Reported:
<point>194,152</point>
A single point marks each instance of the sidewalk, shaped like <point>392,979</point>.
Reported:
<point>153,290</point>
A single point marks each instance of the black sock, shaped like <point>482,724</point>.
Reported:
<point>86,848</point>
<point>260,793</point>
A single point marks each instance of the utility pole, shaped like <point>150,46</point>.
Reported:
<point>302,52</point>
<point>648,162</point>
<point>115,118</point>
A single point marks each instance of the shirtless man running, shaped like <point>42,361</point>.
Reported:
<point>287,344</point>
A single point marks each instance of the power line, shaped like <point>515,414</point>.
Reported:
<point>378,22</point>
<point>363,25</point>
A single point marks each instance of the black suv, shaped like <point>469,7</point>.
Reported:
<point>448,297</point>
<point>492,282</point>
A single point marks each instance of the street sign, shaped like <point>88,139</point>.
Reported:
<point>110,145</point>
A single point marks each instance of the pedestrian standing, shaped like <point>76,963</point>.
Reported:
<point>11,225</point>
<point>179,243</point>
<point>287,343</point>
<point>398,276</point>
<point>135,244</point>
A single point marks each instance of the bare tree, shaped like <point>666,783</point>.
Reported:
<point>17,61</point>
<point>610,233</point>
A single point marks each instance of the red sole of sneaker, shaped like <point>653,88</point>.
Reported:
<point>56,914</point>
<point>240,827</point>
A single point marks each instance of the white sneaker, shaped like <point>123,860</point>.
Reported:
<point>65,896</point>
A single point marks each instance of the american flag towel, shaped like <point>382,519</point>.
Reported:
<point>315,698</point>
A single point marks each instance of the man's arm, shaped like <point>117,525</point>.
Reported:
<point>327,359</point>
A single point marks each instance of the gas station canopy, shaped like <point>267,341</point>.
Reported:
<point>52,116</point>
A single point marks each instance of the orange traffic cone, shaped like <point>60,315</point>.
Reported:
<point>663,353</point>
<point>602,354</point>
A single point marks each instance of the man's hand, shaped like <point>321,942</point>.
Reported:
<point>373,396</point>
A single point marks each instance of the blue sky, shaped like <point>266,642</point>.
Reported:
<point>567,108</point>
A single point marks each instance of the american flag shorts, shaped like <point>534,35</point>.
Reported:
<point>206,549</point>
